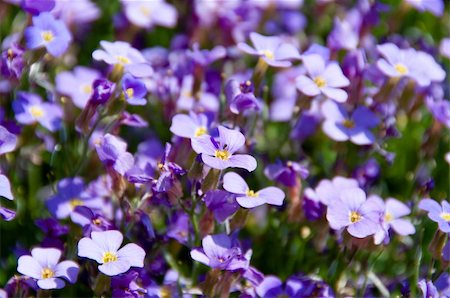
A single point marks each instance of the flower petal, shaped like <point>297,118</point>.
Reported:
<point>68,270</point>
<point>133,254</point>
<point>243,161</point>
<point>47,257</point>
<point>272,195</point>
<point>234,183</point>
<point>51,283</point>
<point>28,266</point>
<point>114,268</point>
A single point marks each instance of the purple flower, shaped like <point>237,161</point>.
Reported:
<point>354,212</point>
<point>148,13</point>
<point>312,207</point>
<point>344,35</point>
<point>437,213</point>
<point>392,211</point>
<point>102,90</point>
<point>123,55</point>
<point>329,190</point>
<point>179,228</point>
<point>112,151</point>
<point>43,266</point>
<point>323,78</point>
<point>240,97</point>
<point>286,173</point>
<point>5,188</point>
<point>8,141</point>
<point>104,249</point>
<point>339,126</point>
<point>49,33</point>
<point>272,49</point>
<point>221,203</point>
<point>444,47</point>
<point>202,100</point>
<point>12,62</point>
<point>36,7</point>
<point>76,13</point>
<point>248,198</point>
<point>126,285</point>
<point>440,110</point>
<point>219,251</point>
<point>436,7</point>
<point>220,154</point>
<point>77,84</point>
<point>90,220</point>
<point>30,109</point>
<point>192,126</point>
<point>296,286</point>
<point>416,65</point>
<point>206,57</point>
<point>134,90</point>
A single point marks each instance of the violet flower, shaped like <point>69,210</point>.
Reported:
<point>8,141</point>
<point>436,7</point>
<point>354,212</point>
<point>29,109</point>
<point>134,90</point>
<point>437,213</point>
<point>190,126</point>
<point>312,207</point>
<point>49,33</point>
<point>126,285</point>
<point>343,36</point>
<point>44,266</point>
<point>102,90</point>
<point>248,198</point>
<point>76,14</point>
<point>218,251</point>
<point>272,49</point>
<point>240,97</point>
<point>286,173</point>
<point>90,220</point>
<point>392,211</point>
<point>5,188</point>
<point>339,126</point>
<point>440,109</point>
<point>36,7</point>
<point>103,247</point>
<point>329,190</point>
<point>220,154</point>
<point>12,62</point>
<point>221,203</point>
<point>203,100</point>
<point>112,151</point>
<point>295,286</point>
<point>148,13</point>
<point>323,78</point>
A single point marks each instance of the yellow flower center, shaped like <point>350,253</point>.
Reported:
<point>268,54</point>
<point>354,217</point>
<point>160,166</point>
<point>76,202</point>
<point>165,292</point>
<point>130,92</point>
<point>109,257</point>
<point>122,59</point>
<point>222,154</point>
<point>47,273</point>
<point>200,131</point>
<point>401,68</point>
<point>86,89</point>
<point>320,82</point>
<point>445,216</point>
<point>10,54</point>
<point>221,260</point>
<point>47,36</point>
<point>145,10</point>
<point>36,112</point>
<point>251,193</point>
<point>388,217</point>
<point>348,123</point>
<point>96,221</point>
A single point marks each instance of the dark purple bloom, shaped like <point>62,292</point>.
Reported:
<point>440,110</point>
<point>437,213</point>
<point>103,247</point>
<point>30,109</point>
<point>179,228</point>
<point>134,90</point>
<point>354,212</point>
<point>312,207</point>
<point>367,173</point>
<point>12,62</point>
<point>339,126</point>
<point>102,90</point>
<point>51,227</point>
<point>91,221</point>
<point>36,7</point>
<point>132,120</point>
<point>248,198</point>
<point>126,285</point>
<point>49,33</point>
<point>272,49</point>
<point>112,151</point>
<point>44,266</point>
<point>218,251</point>
<point>7,214</point>
<point>286,173</point>
<point>221,203</point>
<point>323,78</point>
<point>240,97</point>
<point>220,154</point>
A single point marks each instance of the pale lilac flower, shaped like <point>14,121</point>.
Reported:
<point>103,247</point>
<point>416,65</point>
<point>392,211</point>
<point>77,84</point>
<point>134,90</point>
<point>440,110</point>
<point>343,36</point>
<point>323,78</point>
<point>203,100</point>
<point>272,49</point>
<point>354,212</point>
<point>8,141</point>
<point>112,151</point>
<point>220,154</point>
<point>436,7</point>
<point>219,251</point>
<point>29,109</point>
<point>339,126</point>
<point>5,188</point>
<point>36,7</point>
<point>76,13</point>
<point>240,97</point>
<point>437,213</point>
<point>248,198</point>
<point>329,190</point>
<point>49,33</point>
<point>44,266</point>
<point>286,173</point>
<point>190,126</point>
<point>444,47</point>
<point>206,57</point>
<point>122,54</point>
<point>148,13</point>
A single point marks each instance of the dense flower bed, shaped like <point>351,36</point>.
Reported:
<point>256,148</point>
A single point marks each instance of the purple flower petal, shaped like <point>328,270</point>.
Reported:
<point>114,268</point>
<point>232,138</point>
<point>307,86</point>
<point>46,257</point>
<point>272,195</point>
<point>51,283</point>
<point>133,254</point>
<point>110,240</point>
<point>5,188</point>
<point>28,266</point>
<point>234,183</point>
<point>88,248</point>
<point>68,270</point>
<point>198,255</point>
<point>243,161</point>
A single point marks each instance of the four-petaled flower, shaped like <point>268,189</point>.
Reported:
<point>437,213</point>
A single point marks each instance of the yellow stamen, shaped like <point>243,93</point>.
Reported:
<point>320,82</point>
<point>445,216</point>
<point>348,123</point>
<point>109,257</point>
<point>96,221</point>
<point>145,10</point>
<point>401,68</point>
<point>222,154</point>
<point>355,217</point>
<point>47,273</point>
<point>76,202</point>
<point>388,217</point>
<point>86,88</point>
<point>130,92</point>
<point>251,193</point>
<point>47,36</point>
<point>165,292</point>
<point>10,54</point>
<point>36,112</point>
<point>268,54</point>
<point>200,131</point>
<point>122,60</point>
